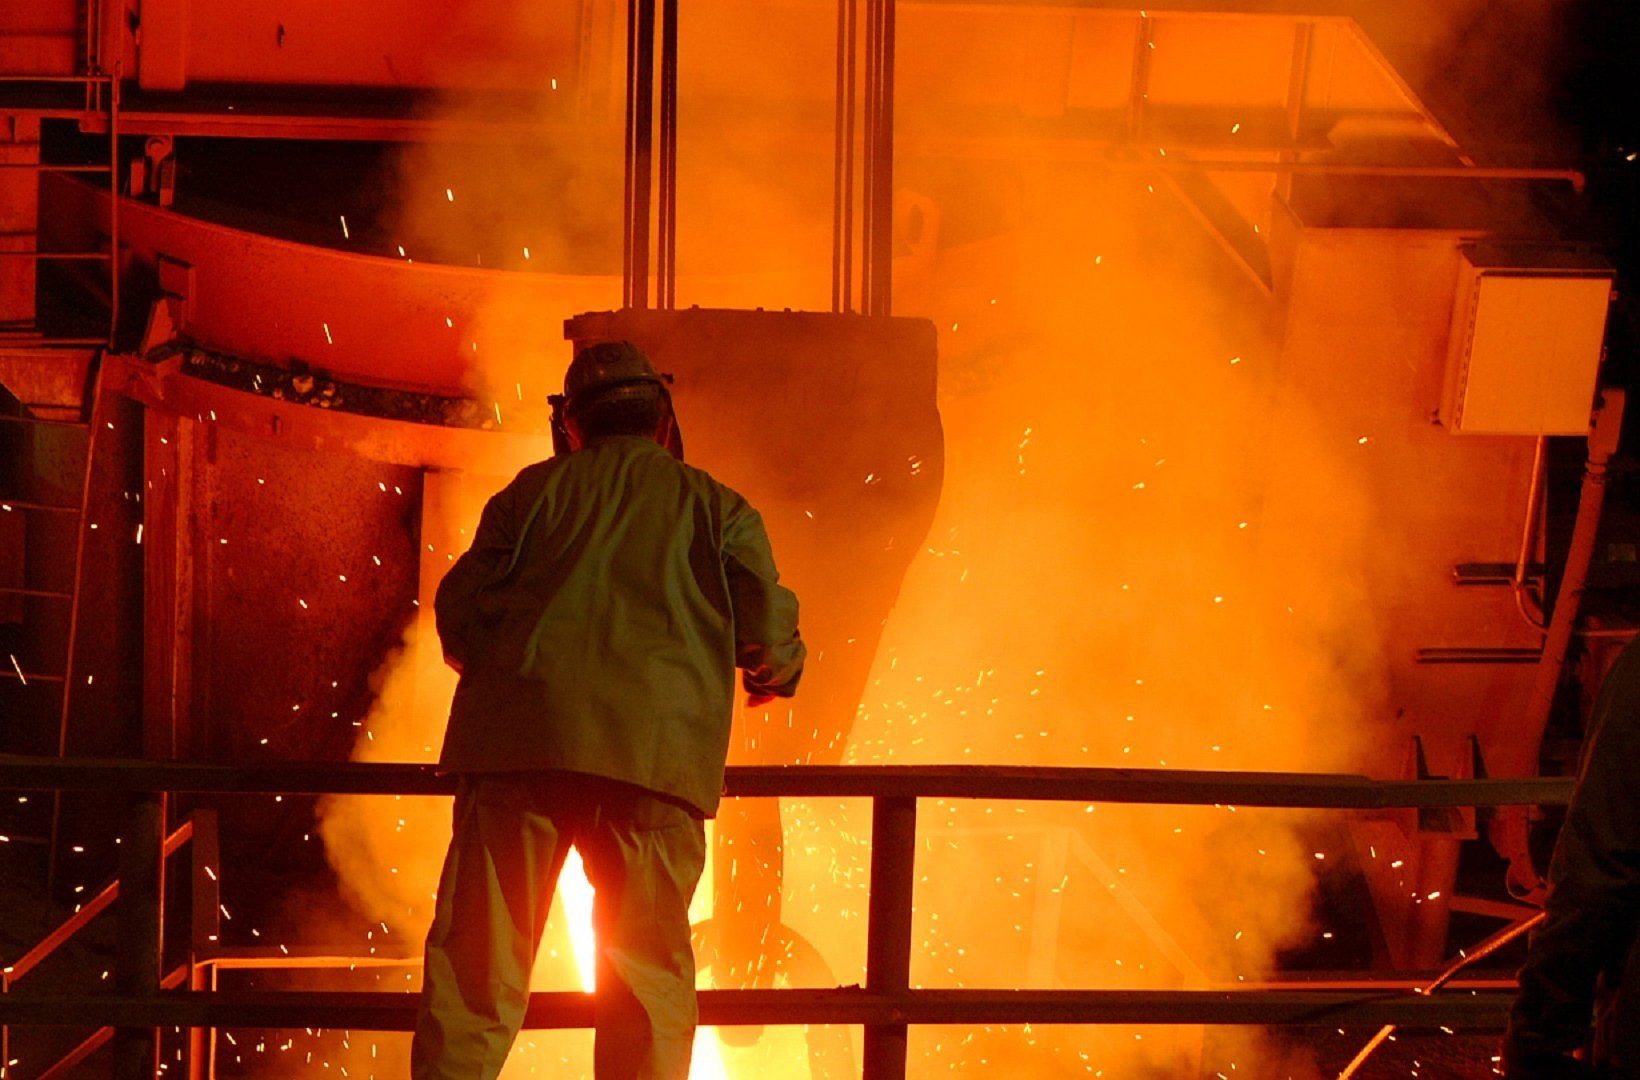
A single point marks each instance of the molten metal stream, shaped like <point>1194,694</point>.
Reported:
<point>577,892</point>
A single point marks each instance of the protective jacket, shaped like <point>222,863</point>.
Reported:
<point>599,615</point>
<point>1591,932</point>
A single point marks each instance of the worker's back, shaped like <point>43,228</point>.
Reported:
<point>601,613</point>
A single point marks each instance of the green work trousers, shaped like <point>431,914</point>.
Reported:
<point>643,855</point>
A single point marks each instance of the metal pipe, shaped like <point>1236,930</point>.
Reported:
<point>1519,756</point>
<point>661,174</point>
<point>114,206</point>
<point>1480,952</point>
<point>643,135</point>
<point>883,168</point>
<point>667,285</point>
<point>1528,537</point>
<point>626,195</point>
<point>837,175</point>
<point>888,928</point>
<point>848,154</point>
<point>1602,444</point>
<point>82,534</point>
<point>868,157</point>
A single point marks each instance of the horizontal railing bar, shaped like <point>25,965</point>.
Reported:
<point>44,421</point>
<point>24,78</point>
<point>49,508</point>
<point>46,594</point>
<point>1177,787</point>
<point>300,962</point>
<point>9,342</point>
<point>46,166</point>
<point>388,1011</point>
<point>58,256</point>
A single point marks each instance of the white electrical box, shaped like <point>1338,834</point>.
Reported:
<point>1526,340</point>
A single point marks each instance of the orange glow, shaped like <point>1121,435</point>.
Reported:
<point>576,894</point>
<point>1153,548</point>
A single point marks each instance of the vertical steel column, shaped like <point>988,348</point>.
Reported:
<point>94,418</point>
<point>114,207</point>
<point>141,910</point>
<point>868,156</point>
<point>838,177</point>
<point>882,169</point>
<point>626,149</point>
<point>888,927</point>
<point>851,63</point>
<point>666,286</point>
<point>1139,85</point>
<point>1298,80</point>
<point>205,931</point>
<point>640,91</point>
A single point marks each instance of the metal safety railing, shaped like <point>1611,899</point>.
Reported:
<point>885,1007</point>
<point>102,102</point>
<point>64,932</point>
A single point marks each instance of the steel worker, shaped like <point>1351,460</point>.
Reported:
<point>596,622</point>
<point>1588,948</point>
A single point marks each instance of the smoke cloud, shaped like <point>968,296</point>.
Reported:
<point>1127,568</point>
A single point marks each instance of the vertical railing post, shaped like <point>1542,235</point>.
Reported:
<point>141,907</point>
<point>888,930</point>
<point>205,934</point>
<point>5,1032</point>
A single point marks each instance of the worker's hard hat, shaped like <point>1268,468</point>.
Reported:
<point>610,371</point>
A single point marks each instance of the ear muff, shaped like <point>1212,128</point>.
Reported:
<point>562,406</point>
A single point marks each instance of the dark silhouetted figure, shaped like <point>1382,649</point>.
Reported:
<point>1587,951</point>
<point>597,622</point>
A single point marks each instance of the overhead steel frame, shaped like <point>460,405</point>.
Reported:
<point>885,1007</point>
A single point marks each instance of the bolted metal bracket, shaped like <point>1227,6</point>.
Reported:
<point>1448,822</point>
